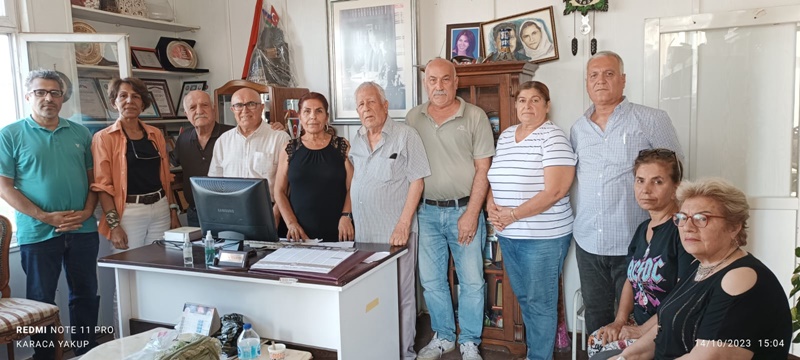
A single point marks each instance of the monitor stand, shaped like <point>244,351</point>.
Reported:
<point>233,236</point>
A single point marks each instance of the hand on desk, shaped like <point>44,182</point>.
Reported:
<point>295,233</point>
<point>346,230</point>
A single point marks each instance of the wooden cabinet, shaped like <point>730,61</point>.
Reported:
<point>273,97</point>
<point>492,86</point>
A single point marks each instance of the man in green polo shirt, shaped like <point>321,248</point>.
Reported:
<point>459,143</point>
<point>45,172</point>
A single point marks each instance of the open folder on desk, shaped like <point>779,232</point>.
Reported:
<point>317,262</point>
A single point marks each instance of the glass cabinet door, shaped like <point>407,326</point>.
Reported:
<point>486,98</point>
<point>86,63</point>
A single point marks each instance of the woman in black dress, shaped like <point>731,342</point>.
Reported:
<point>312,185</point>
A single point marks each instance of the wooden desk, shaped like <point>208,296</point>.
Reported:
<point>358,319</point>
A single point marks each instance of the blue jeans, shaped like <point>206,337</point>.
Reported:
<point>42,263</point>
<point>438,238</point>
<point>602,278</point>
<point>191,217</point>
<point>533,268</point>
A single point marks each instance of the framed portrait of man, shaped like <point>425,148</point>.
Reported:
<point>531,36</point>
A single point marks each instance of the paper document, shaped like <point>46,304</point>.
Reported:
<point>311,259</point>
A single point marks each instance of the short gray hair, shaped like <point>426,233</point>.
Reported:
<point>372,84</point>
<point>45,74</point>
<point>733,201</point>
<point>183,101</point>
<point>608,53</point>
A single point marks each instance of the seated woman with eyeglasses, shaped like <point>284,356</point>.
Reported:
<point>657,260</point>
<point>312,186</point>
<point>131,169</point>
<point>732,306</point>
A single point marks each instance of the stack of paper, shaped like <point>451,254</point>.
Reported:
<point>182,233</point>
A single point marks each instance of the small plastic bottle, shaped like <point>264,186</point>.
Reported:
<point>209,249</point>
<point>188,258</point>
<point>249,344</point>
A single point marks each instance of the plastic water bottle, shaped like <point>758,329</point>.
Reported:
<point>249,344</point>
<point>188,258</point>
<point>209,249</point>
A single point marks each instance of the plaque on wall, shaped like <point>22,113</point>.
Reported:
<point>178,55</point>
<point>86,53</point>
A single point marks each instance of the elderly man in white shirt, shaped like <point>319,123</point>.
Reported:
<point>251,150</point>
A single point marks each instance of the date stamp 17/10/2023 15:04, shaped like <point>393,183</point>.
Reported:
<point>73,330</point>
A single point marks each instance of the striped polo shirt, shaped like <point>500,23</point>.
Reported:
<point>517,175</point>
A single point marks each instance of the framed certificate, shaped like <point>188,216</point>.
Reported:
<point>92,105</point>
<point>145,58</point>
<point>162,96</point>
<point>185,89</point>
<point>102,85</point>
<point>152,111</point>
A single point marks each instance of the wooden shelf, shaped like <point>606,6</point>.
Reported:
<point>160,73</point>
<point>127,20</point>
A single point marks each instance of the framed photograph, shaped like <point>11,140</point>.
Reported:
<point>103,84</point>
<point>91,101</point>
<point>145,58</point>
<point>152,111</point>
<point>185,89</point>
<point>372,40</point>
<point>161,94</point>
<point>464,40</point>
<point>532,36</point>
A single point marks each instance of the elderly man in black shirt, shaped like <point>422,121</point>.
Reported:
<point>194,148</point>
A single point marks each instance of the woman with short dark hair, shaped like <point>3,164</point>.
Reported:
<point>131,170</point>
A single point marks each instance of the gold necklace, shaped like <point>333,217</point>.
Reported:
<point>703,271</point>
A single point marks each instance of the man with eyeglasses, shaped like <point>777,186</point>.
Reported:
<point>607,139</point>
<point>251,150</point>
<point>55,223</point>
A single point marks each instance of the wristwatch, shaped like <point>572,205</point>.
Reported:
<point>350,215</point>
<point>174,207</point>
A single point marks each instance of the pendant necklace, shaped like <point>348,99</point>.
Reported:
<point>704,271</point>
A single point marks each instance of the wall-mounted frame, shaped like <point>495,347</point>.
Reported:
<point>103,84</point>
<point>533,36</point>
<point>464,40</point>
<point>145,58</point>
<point>185,89</point>
<point>162,96</point>
<point>152,111</point>
<point>372,40</point>
<point>91,101</point>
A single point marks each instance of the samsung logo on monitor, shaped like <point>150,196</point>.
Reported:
<point>228,211</point>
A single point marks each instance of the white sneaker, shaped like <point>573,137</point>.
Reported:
<point>435,348</point>
<point>469,351</point>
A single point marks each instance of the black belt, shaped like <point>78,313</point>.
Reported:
<point>146,199</point>
<point>448,203</point>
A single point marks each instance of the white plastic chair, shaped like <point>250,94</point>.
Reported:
<point>577,318</point>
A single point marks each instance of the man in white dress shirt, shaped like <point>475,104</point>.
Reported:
<point>250,150</point>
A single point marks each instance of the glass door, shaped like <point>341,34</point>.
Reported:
<point>86,62</point>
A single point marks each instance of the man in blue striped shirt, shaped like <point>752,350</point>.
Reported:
<point>607,139</point>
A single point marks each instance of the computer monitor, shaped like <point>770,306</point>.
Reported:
<point>234,208</point>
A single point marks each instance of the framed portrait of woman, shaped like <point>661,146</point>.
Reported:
<point>532,36</point>
<point>463,40</point>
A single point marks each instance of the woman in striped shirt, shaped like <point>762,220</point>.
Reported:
<point>529,207</point>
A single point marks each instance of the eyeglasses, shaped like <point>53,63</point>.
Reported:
<point>136,154</point>
<point>699,220</point>
<point>663,154</point>
<point>251,105</point>
<point>43,93</point>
